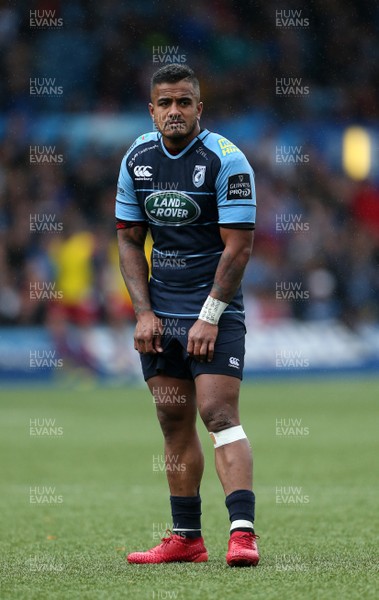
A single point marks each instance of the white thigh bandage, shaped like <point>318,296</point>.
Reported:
<point>227,436</point>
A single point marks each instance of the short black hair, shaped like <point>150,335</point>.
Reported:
<point>173,73</point>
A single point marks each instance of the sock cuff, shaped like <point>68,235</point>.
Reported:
<point>241,505</point>
<point>186,500</point>
<point>186,515</point>
<point>238,495</point>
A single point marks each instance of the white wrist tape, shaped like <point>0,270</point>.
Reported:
<point>212,310</point>
<point>227,436</point>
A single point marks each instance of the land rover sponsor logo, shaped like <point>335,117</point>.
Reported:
<point>171,208</point>
<point>239,186</point>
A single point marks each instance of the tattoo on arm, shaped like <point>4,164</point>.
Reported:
<point>134,267</point>
<point>228,276</point>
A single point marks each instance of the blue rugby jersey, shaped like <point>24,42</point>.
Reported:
<point>184,199</point>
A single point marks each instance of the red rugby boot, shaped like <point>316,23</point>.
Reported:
<point>174,548</point>
<point>242,550</point>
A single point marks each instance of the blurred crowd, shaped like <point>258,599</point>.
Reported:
<point>316,252</point>
<point>102,54</point>
<point>315,256</point>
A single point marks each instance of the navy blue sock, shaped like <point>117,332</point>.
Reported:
<point>186,513</point>
<point>241,507</point>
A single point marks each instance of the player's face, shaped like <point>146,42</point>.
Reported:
<point>176,111</point>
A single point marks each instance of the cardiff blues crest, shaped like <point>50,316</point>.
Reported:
<point>198,175</point>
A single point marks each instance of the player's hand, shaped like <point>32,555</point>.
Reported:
<point>201,340</point>
<point>148,333</point>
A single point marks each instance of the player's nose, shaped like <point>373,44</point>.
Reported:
<point>174,110</point>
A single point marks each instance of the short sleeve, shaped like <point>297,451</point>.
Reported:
<point>235,187</point>
<point>127,207</point>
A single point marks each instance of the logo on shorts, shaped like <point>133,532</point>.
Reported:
<point>198,176</point>
<point>234,362</point>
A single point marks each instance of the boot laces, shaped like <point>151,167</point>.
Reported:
<point>246,539</point>
<point>170,538</point>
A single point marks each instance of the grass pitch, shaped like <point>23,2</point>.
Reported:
<point>79,490</point>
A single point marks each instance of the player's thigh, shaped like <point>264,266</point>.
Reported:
<point>217,400</point>
<point>174,399</point>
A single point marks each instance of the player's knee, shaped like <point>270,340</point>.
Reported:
<point>218,420</point>
<point>170,421</point>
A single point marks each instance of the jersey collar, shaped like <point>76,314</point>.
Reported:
<point>203,133</point>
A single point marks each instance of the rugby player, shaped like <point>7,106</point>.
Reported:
<point>194,190</point>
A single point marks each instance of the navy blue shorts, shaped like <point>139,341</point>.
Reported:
<point>174,361</point>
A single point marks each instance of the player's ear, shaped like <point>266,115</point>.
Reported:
<point>151,109</point>
<point>199,109</point>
